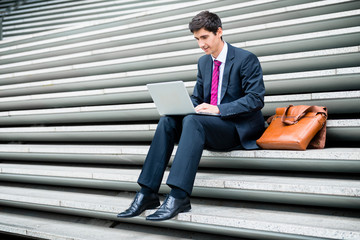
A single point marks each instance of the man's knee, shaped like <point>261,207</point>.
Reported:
<point>192,121</point>
<point>167,122</point>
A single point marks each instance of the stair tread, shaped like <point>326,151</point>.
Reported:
<point>326,153</point>
<point>270,65</point>
<point>212,179</point>
<point>65,63</point>
<point>76,119</point>
<point>123,97</point>
<point>319,160</point>
<point>262,217</point>
<point>350,154</point>
<point>63,227</point>
<point>290,9</point>
<point>331,123</point>
<point>346,102</point>
<point>170,12</point>
<point>44,14</point>
<point>92,49</point>
<point>185,72</point>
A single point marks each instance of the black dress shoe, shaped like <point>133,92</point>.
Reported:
<point>170,208</point>
<point>141,203</point>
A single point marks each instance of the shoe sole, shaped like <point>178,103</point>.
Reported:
<point>186,208</point>
<point>152,206</point>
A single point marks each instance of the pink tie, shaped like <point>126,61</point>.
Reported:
<point>215,83</point>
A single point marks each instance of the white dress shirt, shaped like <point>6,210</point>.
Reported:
<point>222,59</point>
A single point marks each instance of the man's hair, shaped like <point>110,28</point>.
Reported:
<point>207,20</point>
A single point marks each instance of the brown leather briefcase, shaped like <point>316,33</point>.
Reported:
<point>295,128</point>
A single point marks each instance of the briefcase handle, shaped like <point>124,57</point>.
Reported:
<point>303,112</point>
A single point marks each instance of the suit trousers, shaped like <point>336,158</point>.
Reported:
<point>194,133</point>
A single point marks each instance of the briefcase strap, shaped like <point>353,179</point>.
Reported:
<point>317,109</point>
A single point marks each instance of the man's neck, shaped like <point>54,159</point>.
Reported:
<point>220,49</point>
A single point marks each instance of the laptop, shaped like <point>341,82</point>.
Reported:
<point>172,98</point>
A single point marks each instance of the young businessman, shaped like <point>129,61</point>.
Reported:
<point>229,82</point>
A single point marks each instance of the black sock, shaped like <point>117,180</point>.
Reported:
<point>146,191</point>
<point>178,193</point>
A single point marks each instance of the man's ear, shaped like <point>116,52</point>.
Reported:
<point>219,32</point>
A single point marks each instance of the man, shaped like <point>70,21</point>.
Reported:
<point>229,83</point>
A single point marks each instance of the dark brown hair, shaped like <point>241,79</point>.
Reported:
<point>207,20</point>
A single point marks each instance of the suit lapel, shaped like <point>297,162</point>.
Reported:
<point>226,75</point>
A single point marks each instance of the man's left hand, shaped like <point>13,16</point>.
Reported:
<point>207,108</point>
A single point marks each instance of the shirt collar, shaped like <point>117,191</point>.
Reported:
<point>222,55</point>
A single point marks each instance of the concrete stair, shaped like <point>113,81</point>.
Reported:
<point>337,102</point>
<point>330,159</point>
<point>40,225</point>
<point>302,189</point>
<point>240,218</point>
<point>32,18</point>
<point>37,17</point>
<point>345,129</point>
<point>76,119</point>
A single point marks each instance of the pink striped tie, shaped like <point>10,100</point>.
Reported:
<point>215,83</point>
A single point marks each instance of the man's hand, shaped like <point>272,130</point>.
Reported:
<point>207,108</point>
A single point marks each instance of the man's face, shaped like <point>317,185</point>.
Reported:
<point>209,42</point>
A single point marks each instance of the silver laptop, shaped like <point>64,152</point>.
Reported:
<point>172,98</point>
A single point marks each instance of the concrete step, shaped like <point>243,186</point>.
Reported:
<point>62,18</point>
<point>76,75</point>
<point>296,82</point>
<point>336,102</point>
<point>170,11</point>
<point>7,6</point>
<point>98,133</point>
<point>109,48</point>
<point>274,64</point>
<point>344,130</point>
<point>6,3</point>
<point>38,5</point>
<point>69,13</point>
<point>312,81</point>
<point>238,219</point>
<point>288,188</point>
<point>123,79</point>
<point>35,5</point>
<point>40,225</point>
<point>176,16</point>
<point>318,160</point>
<point>310,41</point>
<point>129,54</point>
<point>140,94</point>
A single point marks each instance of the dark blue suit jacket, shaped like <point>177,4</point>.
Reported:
<point>242,92</point>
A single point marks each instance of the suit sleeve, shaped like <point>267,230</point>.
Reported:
<point>252,89</point>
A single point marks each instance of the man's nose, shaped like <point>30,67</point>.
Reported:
<point>201,44</point>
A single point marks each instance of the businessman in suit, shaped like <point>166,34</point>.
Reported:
<point>230,84</point>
